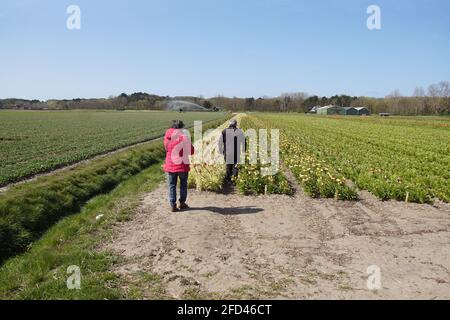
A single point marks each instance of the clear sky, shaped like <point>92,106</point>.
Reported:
<point>230,47</point>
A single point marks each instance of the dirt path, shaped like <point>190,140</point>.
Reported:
<point>232,246</point>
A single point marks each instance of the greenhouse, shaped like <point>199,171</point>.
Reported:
<point>329,110</point>
<point>350,111</point>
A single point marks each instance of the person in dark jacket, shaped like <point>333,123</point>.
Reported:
<point>178,148</point>
<point>231,145</point>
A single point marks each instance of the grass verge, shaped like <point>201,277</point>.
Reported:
<point>28,210</point>
<point>41,273</point>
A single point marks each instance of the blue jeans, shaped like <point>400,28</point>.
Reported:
<point>172,179</point>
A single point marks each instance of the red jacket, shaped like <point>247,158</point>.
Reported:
<point>175,143</point>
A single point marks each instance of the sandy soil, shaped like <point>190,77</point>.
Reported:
<point>281,247</point>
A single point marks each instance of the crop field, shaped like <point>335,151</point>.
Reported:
<point>209,175</point>
<point>66,218</point>
<point>32,142</point>
<point>406,159</point>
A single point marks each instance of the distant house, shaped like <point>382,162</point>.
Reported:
<point>331,110</point>
<point>362,111</point>
<point>350,111</point>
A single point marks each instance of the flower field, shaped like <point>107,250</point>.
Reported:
<point>251,181</point>
<point>405,159</point>
<point>401,158</point>
<point>32,142</point>
<point>209,174</point>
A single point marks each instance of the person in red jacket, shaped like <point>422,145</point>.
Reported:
<point>178,148</point>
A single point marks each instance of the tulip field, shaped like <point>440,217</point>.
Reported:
<point>401,158</point>
<point>32,142</point>
<point>209,174</point>
<point>406,159</point>
<point>250,179</point>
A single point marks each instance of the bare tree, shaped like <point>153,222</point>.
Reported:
<point>393,100</point>
<point>444,89</point>
<point>293,101</point>
<point>419,100</point>
<point>419,92</point>
<point>433,90</point>
<point>438,94</point>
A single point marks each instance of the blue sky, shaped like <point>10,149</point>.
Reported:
<point>230,47</point>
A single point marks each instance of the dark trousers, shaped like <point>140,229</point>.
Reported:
<point>232,171</point>
<point>172,179</point>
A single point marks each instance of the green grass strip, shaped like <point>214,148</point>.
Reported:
<point>41,273</point>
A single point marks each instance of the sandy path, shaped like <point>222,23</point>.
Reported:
<point>231,246</point>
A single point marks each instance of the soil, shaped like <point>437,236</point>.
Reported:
<point>281,247</point>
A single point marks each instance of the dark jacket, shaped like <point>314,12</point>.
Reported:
<point>238,144</point>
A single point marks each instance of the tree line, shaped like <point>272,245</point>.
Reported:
<point>135,101</point>
<point>435,100</point>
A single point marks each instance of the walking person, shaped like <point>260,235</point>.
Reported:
<point>178,148</point>
<point>231,145</point>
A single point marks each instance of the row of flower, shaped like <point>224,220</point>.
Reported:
<point>209,173</point>
<point>397,159</point>
<point>316,178</point>
<point>251,179</point>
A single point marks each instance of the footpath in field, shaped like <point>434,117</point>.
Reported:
<point>234,246</point>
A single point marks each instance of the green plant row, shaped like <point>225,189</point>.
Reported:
<point>207,173</point>
<point>250,180</point>
<point>316,179</point>
<point>210,176</point>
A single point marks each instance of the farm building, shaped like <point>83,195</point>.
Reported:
<point>362,111</point>
<point>329,110</point>
<point>350,111</point>
<point>359,111</point>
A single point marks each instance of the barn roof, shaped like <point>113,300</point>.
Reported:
<point>328,107</point>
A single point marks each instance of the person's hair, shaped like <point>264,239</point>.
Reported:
<point>177,124</point>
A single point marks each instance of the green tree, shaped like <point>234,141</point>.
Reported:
<point>207,104</point>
